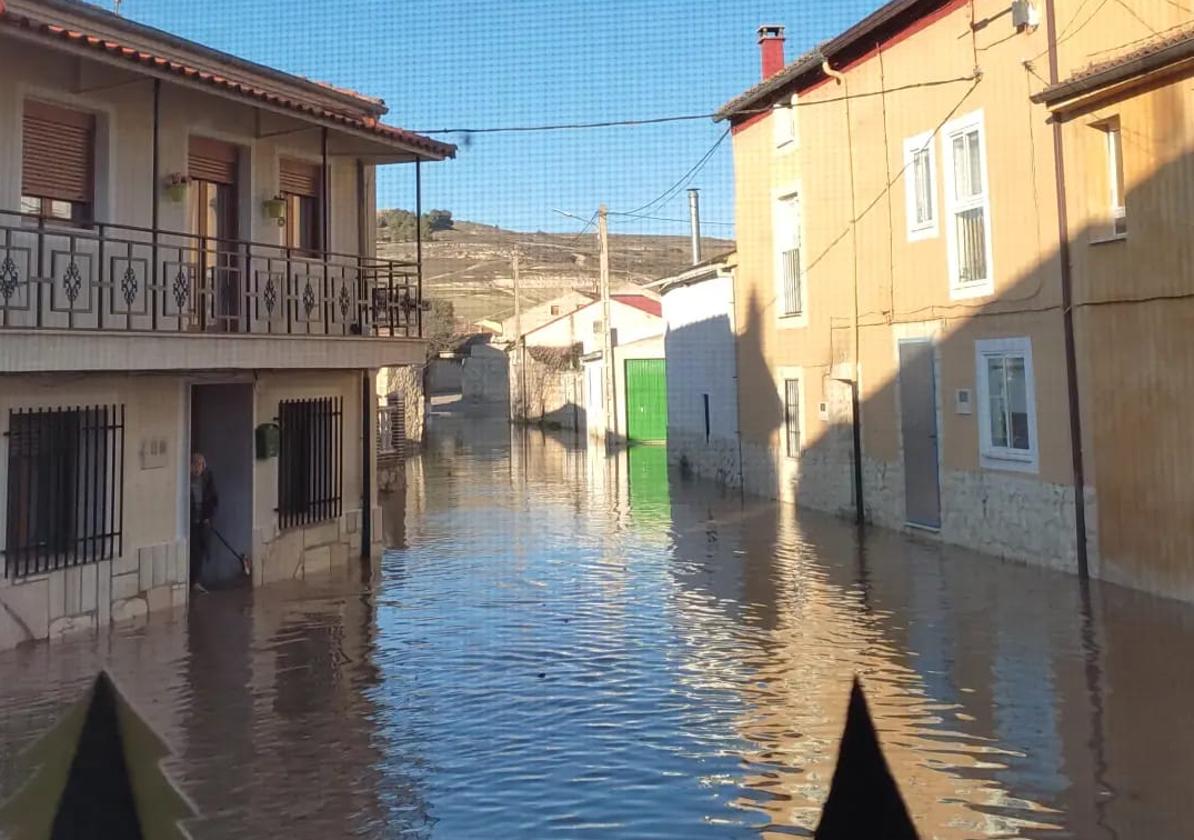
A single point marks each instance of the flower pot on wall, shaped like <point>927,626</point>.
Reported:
<point>176,191</point>
<point>275,208</point>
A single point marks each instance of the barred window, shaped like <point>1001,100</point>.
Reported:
<point>309,460</point>
<point>65,488</point>
<point>792,416</point>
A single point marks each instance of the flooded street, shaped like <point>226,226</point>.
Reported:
<point>560,643</point>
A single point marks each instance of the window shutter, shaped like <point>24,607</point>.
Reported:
<point>299,178</point>
<point>212,160</point>
<point>58,153</point>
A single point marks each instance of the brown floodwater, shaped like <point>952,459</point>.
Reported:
<point>562,643</point>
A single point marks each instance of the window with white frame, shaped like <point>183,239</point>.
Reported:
<point>789,287</point>
<point>783,120</point>
<point>968,207</point>
<point>1115,176</point>
<point>1006,403</point>
<point>920,186</point>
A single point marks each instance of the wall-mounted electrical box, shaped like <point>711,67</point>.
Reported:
<point>962,402</point>
<point>1025,15</point>
<point>823,410</point>
<point>268,441</point>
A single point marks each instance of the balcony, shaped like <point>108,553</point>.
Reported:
<point>147,299</point>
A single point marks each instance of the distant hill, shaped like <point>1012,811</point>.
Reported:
<point>470,264</point>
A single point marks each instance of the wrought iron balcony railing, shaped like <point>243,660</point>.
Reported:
<point>101,276</point>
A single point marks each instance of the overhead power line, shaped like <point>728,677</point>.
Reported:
<point>684,181</point>
<point>667,219</point>
<point>581,126</point>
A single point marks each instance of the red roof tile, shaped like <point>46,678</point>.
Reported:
<point>646,304</point>
<point>243,87</point>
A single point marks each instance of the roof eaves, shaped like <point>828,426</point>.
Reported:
<point>1154,56</point>
<point>811,61</point>
<point>108,24</point>
<point>166,65</point>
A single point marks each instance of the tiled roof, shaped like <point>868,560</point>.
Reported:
<point>889,19</point>
<point>238,84</point>
<point>646,304</point>
<point>1150,54</point>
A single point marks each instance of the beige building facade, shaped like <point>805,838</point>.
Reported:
<point>187,264</point>
<point>1126,122</point>
<point>902,310</point>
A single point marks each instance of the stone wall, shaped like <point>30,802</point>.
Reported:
<point>554,395</point>
<point>302,552</point>
<point>1003,514</point>
<point>716,458</point>
<point>407,382</point>
<point>89,597</point>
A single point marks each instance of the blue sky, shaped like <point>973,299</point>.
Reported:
<point>483,63</point>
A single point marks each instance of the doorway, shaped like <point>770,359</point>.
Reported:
<point>212,218</point>
<point>918,423</point>
<point>222,429</point>
<point>646,399</point>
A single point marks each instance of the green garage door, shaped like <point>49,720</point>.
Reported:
<point>646,399</point>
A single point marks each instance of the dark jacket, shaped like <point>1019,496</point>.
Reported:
<point>210,499</point>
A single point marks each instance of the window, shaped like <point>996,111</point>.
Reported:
<point>783,116</point>
<point>301,187</point>
<point>309,460</point>
<point>1007,404</point>
<point>65,486</point>
<point>598,327</point>
<point>790,282</point>
<point>792,416</point>
<point>1115,177</point>
<point>920,186</point>
<point>555,310</point>
<point>57,166</point>
<point>969,213</point>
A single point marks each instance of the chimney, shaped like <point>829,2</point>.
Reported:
<point>771,49</point>
<point>694,223</point>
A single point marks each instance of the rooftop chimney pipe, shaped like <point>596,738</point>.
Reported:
<point>771,49</point>
<point>694,219</point>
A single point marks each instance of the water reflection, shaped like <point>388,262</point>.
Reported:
<point>564,642</point>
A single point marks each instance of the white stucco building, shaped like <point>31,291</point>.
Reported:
<point>702,382</point>
<point>187,263</point>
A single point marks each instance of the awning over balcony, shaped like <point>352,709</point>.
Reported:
<point>105,37</point>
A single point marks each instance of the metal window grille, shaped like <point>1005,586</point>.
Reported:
<point>792,415</point>
<point>310,468</point>
<point>391,429</point>
<point>65,488</point>
<point>972,245</point>
<point>792,290</point>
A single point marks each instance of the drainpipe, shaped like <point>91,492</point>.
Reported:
<point>419,244</point>
<point>366,466</point>
<point>1067,312</point>
<point>155,210</point>
<point>855,409</point>
<point>327,199</point>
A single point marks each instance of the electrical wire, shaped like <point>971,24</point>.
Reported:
<point>684,181</point>
<point>581,126</point>
<point>668,219</point>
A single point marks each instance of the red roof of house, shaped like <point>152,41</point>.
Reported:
<point>364,120</point>
<point>646,304</point>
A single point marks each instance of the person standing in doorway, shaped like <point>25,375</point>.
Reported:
<point>204,502</point>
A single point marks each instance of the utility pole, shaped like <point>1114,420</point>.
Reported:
<point>694,223</point>
<point>607,335</point>
<point>520,342</point>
